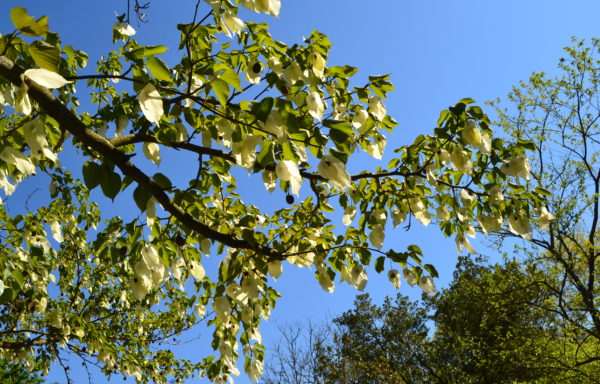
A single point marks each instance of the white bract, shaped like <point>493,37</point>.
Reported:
<point>377,236</point>
<point>221,306</point>
<point>56,231</point>
<point>325,281</point>
<point>46,78</point>
<point>349,214</point>
<point>275,65</point>
<point>253,72</point>
<point>359,119</point>
<point>151,103</point>
<point>233,23</point>
<point>245,151</point>
<point>427,285</point>
<point>11,156</point>
<point>517,167</point>
<point>462,241</point>
<point>271,7</point>
<point>394,278</point>
<point>316,107</point>
<point>461,161</point>
<point>293,73</point>
<point>274,124</point>
<point>410,276</point>
<point>255,370</point>
<point>197,270</point>
<point>5,184</point>
<point>275,268</point>
<point>545,218</point>
<point>124,29</point>
<point>35,137</point>
<point>334,171</point>
<point>152,152</point>
<point>287,170</point>
<point>269,180</point>
<point>519,225</point>
<point>358,277</point>
<point>376,149</point>
<point>470,134</point>
<point>318,64</point>
<point>377,108</point>
<point>490,223</point>
<point>485,146</point>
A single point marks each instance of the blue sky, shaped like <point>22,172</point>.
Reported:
<point>437,52</point>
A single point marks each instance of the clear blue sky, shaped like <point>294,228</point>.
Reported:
<point>437,51</point>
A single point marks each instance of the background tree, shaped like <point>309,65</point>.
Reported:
<point>297,358</point>
<point>488,326</point>
<point>16,374</point>
<point>112,291</point>
<point>560,114</point>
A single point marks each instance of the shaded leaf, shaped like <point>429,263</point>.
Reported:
<point>45,55</point>
<point>221,89</point>
<point>92,174</point>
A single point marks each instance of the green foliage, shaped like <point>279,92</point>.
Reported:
<point>15,374</point>
<point>490,325</point>
<point>111,289</point>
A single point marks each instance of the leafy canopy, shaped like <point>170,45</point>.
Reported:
<point>111,289</point>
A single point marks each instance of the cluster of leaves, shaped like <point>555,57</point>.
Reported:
<point>112,291</point>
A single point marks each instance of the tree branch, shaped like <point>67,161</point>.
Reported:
<point>70,122</point>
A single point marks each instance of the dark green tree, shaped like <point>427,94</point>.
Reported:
<point>489,326</point>
<point>16,374</point>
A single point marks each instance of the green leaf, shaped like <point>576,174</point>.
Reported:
<point>92,174</point>
<point>466,100</point>
<point>261,110</point>
<point>343,72</point>
<point>7,295</point>
<point>26,24</point>
<point>339,130</point>
<point>45,55</point>
<point>379,264</point>
<point>364,255</point>
<point>543,192</point>
<point>341,155</point>
<point>400,258</point>
<point>221,89</point>
<point>159,69</point>
<point>432,271</point>
<point>266,155</point>
<point>475,111</point>
<point>18,276</point>
<point>141,197</point>
<point>288,151</point>
<point>145,51</point>
<point>526,144</point>
<point>415,249</point>
<point>232,78</point>
<point>110,184</point>
<point>162,180</point>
